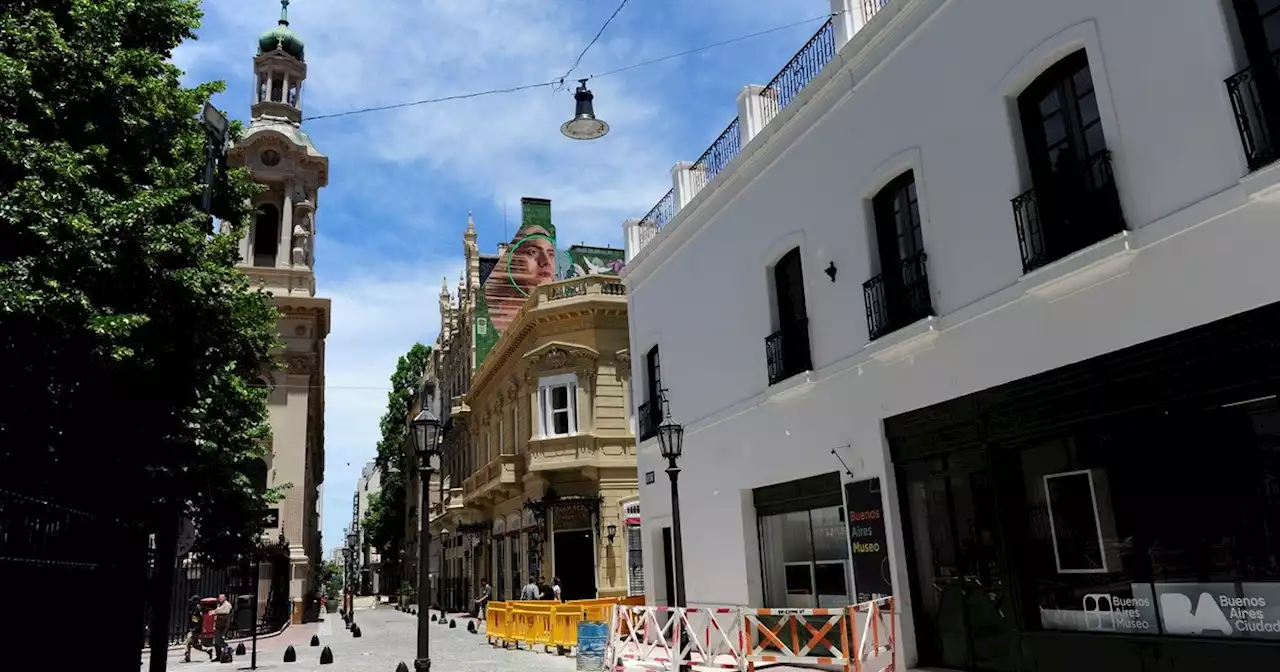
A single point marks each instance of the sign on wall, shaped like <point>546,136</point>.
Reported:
<point>868,540</point>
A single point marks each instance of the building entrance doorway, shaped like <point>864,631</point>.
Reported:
<point>965,616</point>
<point>575,564</point>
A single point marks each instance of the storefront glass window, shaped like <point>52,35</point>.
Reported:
<point>1165,523</point>
<point>806,559</point>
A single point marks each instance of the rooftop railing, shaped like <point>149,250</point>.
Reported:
<point>801,69</point>
<point>657,217</point>
<point>717,156</point>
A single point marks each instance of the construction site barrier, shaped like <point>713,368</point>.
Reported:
<point>856,638</point>
<point>538,622</point>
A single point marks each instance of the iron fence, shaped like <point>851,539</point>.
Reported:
<point>787,351</point>
<point>1255,99</point>
<point>898,296</point>
<point>799,71</point>
<point>718,155</point>
<point>657,217</point>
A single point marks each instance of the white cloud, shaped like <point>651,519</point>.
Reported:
<point>375,317</point>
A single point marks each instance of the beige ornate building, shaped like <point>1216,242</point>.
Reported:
<point>277,254</point>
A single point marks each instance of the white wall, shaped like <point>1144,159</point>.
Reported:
<point>1201,246</point>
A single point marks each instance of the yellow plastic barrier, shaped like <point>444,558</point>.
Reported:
<point>497,623</point>
<point>550,624</point>
<point>531,623</point>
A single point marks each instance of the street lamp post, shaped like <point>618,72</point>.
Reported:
<point>671,444</point>
<point>352,539</point>
<point>426,437</point>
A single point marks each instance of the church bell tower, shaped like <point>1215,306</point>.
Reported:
<point>278,254</point>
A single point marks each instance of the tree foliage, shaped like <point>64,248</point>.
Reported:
<point>385,519</point>
<point>128,339</point>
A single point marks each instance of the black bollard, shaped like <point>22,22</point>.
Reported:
<point>471,627</point>
<point>355,631</point>
<point>453,623</point>
<point>326,657</point>
<point>433,618</point>
<point>240,649</point>
<point>290,656</point>
<point>315,640</point>
<point>402,667</point>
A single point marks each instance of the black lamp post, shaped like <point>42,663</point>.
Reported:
<point>671,444</point>
<point>426,437</point>
<point>352,540</point>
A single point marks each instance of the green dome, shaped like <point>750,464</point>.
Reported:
<point>281,37</point>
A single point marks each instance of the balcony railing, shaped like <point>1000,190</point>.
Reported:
<point>898,297</point>
<point>649,416</point>
<point>657,217</point>
<point>871,7</point>
<point>787,351</point>
<point>586,285</point>
<point>717,156</point>
<point>1075,207</point>
<point>798,72</point>
<point>1255,98</point>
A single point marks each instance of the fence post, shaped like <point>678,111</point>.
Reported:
<point>162,588</point>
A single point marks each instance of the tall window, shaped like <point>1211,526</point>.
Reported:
<point>651,408</point>
<point>899,295</point>
<point>1255,90</point>
<point>787,349</point>
<point>266,235</point>
<point>558,396</point>
<point>1073,202</point>
<point>635,548</point>
<point>515,428</point>
<point>502,436</point>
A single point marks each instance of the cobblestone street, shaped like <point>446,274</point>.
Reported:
<point>387,638</point>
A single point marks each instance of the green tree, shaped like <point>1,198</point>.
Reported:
<point>128,339</point>
<point>385,519</point>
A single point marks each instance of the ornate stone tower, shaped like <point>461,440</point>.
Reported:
<point>277,252</point>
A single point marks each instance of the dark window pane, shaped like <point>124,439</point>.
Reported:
<point>799,580</point>
<point>561,422</point>
<point>830,578</point>
<point>559,397</point>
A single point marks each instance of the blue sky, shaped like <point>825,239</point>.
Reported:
<point>401,182</point>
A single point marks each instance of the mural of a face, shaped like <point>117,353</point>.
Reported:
<point>533,259</point>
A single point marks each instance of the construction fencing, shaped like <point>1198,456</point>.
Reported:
<point>547,624</point>
<point>858,638</point>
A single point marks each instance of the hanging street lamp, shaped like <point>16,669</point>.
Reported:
<point>584,125</point>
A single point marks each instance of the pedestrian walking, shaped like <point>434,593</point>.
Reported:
<point>483,600</point>
<point>530,590</point>
<point>221,624</point>
<point>555,589</point>
<point>544,591</point>
<point>195,621</point>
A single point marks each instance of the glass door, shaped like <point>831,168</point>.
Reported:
<point>806,559</point>
<point>966,618</point>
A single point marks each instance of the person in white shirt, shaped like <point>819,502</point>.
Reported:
<point>555,589</point>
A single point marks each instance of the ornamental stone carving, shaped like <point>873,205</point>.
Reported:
<point>299,364</point>
<point>555,358</point>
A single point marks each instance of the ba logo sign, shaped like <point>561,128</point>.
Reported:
<point>1179,619</point>
<point>1099,612</point>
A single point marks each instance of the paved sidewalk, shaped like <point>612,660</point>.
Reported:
<point>387,638</point>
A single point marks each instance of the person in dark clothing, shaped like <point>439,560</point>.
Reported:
<point>544,591</point>
<point>195,618</point>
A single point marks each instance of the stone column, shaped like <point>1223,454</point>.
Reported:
<point>683,183</point>
<point>848,20</point>
<point>751,112</point>
<point>284,250</point>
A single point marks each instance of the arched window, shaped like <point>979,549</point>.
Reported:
<point>899,294</point>
<point>787,349</point>
<point>1073,202</point>
<point>266,235</point>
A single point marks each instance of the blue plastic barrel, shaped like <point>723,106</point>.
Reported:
<point>593,639</point>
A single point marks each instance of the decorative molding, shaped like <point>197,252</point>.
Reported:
<point>300,364</point>
<point>623,357</point>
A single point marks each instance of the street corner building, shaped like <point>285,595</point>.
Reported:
<point>277,253</point>
<point>532,372</point>
<point>1000,345</point>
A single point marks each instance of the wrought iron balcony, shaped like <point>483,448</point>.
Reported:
<point>1074,208</point>
<point>657,217</point>
<point>898,297</point>
<point>1255,98</point>
<point>787,351</point>
<point>649,416</point>
<point>803,67</point>
<point>717,156</point>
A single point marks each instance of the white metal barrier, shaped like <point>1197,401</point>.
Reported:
<point>857,638</point>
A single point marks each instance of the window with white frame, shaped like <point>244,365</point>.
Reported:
<point>558,396</point>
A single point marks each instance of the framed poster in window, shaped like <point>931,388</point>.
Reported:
<point>1081,521</point>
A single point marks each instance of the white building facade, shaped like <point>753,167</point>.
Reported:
<point>985,272</point>
<point>367,488</point>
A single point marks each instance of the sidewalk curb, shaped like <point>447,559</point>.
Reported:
<point>269,635</point>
